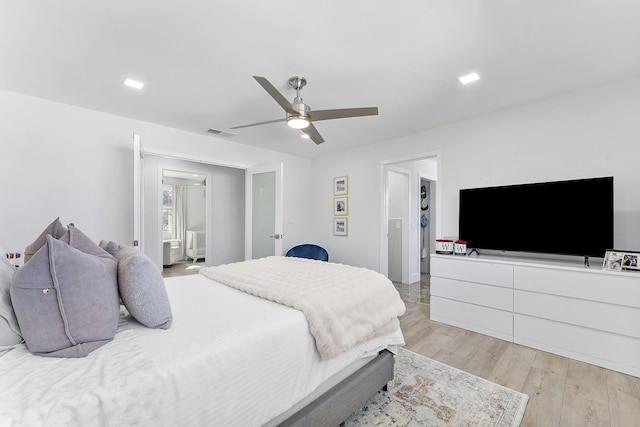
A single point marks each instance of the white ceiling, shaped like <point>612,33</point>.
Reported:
<point>197,59</point>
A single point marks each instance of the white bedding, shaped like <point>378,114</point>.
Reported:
<point>229,359</point>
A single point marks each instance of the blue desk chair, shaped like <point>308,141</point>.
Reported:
<point>308,251</point>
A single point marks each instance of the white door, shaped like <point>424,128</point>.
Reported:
<point>263,218</point>
<point>398,191</point>
<point>138,193</point>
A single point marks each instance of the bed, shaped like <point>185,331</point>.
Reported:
<point>229,358</point>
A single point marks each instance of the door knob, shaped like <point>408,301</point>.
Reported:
<point>277,236</point>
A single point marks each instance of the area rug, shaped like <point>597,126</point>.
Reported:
<point>425,392</point>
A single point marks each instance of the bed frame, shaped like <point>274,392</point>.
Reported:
<point>339,402</point>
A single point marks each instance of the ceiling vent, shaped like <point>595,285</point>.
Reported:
<point>221,133</point>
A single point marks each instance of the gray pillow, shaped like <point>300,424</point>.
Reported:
<point>142,289</point>
<point>66,300</point>
<point>55,229</point>
<point>110,246</point>
<point>9,329</point>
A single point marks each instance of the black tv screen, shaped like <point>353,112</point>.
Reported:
<point>563,217</point>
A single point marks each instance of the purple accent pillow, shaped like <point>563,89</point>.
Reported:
<point>66,299</point>
<point>55,229</point>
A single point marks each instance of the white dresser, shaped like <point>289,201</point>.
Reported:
<point>564,308</point>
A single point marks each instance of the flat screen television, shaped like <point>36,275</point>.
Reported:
<point>562,217</point>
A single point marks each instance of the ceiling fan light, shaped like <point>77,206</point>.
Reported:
<point>298,122</point>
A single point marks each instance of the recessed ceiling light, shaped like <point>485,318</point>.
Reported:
<point>469,78</point>
<point>305,136</point>
<point>133,83</point>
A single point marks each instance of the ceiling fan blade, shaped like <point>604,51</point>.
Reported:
<point>342,113</point>
<point>259,123</point>
<point>280,99</point>
<point>313,134</point>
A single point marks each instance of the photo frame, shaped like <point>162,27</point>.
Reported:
<point>340,206</point>
<point>630,261</point>
<point>341,226</point>
<point>613,261</point>
<point>341,186</point>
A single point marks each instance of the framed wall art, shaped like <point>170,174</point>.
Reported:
<point>341,186</point>
<point>340,206</point>
<point>340,226</point>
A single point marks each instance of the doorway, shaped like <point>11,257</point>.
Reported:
<point>427,231</point>
<point>229,215</point>
<point>221,191</point>
<point>184,225</point>
<point>421,169</point>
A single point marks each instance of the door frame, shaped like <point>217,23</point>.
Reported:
<point>138,202</point>
<point>384,201</point>
<point>138,193</point>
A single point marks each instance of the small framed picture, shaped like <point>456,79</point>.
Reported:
<point>341,186</point>
<point>340,206</point>
<point>613,261</point>
<point>630,261</point>
<point>340,226</point>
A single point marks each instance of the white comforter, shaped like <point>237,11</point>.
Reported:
<point>229,359</point>
<point>344,305</point>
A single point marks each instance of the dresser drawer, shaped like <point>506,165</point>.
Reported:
<point>611,351</point>
<point>473,293</point>
<point>468,270</point>
<point>589,284</point>
<point>487,321</point>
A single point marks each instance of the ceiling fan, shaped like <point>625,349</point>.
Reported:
<point>300,116</point>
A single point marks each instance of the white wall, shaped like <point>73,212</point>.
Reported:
<point>588,133</point>
<point>59,160</point>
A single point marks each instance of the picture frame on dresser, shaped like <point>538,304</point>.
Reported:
<point>621,260</point>
<point>630,261</point>
<point>612,261</point>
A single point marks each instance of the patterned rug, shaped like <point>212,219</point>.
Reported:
<point>425,392</point>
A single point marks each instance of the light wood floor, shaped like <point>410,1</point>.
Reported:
<point>182,268</point>
<point>562,392</point>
